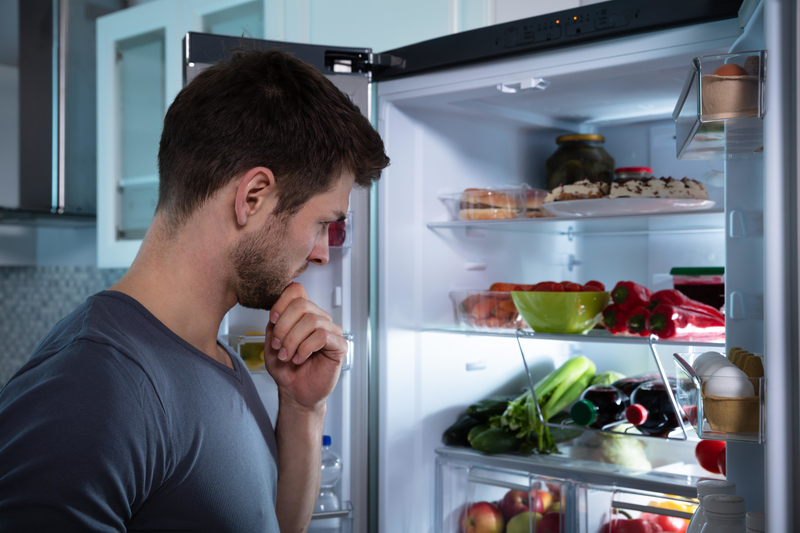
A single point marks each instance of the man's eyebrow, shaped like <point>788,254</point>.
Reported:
<point>340,216</point>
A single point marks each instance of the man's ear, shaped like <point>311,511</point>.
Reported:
<point>256,192</point>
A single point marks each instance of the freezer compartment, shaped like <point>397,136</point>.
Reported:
<point>503,500</point>
<point>340,521</point>
<point>721,407</point>
<point>719,111</point>
<point>600,508</point>
<point>251,349</point>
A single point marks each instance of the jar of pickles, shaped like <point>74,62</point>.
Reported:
<point>579,157</point>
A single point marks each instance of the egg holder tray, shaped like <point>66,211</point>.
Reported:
<point>717,417</point>
<point>720,117</point>
<point>681,433</point>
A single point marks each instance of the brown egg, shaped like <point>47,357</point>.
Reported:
<point>730,69</point>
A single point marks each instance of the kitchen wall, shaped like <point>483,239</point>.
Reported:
<point>33,299</point>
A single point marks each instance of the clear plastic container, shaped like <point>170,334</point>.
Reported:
<point>485,310</point>
<point>340,234</point>
<point>501,203</point>
<point>704,284</point>
<point>534,201</point>
<point>705,488</point>
<point>624,173</point>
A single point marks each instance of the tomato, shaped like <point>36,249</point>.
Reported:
<point>571,287</point>
<point>547,286</point>
<point>721,462</point>
<point>707,452</point>
<point>599,287</point>
<point>667,523</point>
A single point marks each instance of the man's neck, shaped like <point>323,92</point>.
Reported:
<point>184,287</point>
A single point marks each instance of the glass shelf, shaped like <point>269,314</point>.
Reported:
<point>340,521</point>
<point>701,221</point>
<point>596,335</point>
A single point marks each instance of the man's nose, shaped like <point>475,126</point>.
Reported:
<point>320,253</point>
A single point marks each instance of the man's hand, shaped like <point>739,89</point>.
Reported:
<point>303,349</point>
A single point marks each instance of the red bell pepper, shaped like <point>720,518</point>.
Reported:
<point>615,319</point>
<point>637,525</point>
<point>678,299</point>
<point>669,524</point>
<point>637,321</point>
<point>666,320</point>
<point>629,295</point>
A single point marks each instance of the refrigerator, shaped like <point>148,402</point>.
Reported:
<point>482,109</point>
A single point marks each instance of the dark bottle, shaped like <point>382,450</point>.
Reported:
<point>600,406</point>
<point>651,410</point>
<point>628,385</point>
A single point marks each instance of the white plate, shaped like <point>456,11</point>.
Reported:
<point>594,207</point>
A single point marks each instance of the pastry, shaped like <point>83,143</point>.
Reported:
<point>580,190</point>
<point>658,188</point>
<point>485,204</point>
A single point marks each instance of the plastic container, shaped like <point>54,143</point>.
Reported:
<point>705,488</point>
<point>755,522</point>
<point>651,410</point>
<point>534,200</point>
<point>600,407</point>
<point>579,157</point>
<point>724,514</point>
<point>704,284</point>
<point>501,203</point>
<point>340,234</point>
<point>485,310</point>
<point>624,173</point>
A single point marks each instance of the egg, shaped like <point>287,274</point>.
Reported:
<point>730,69</point>
<point>729,382</point>
<point>705,358</point>
<point>709,368</point>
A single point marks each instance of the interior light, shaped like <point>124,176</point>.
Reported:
<point>558,21</point>
<point>574,18</point>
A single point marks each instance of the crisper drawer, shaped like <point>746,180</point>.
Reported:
<point>601,509</point>
<point>471,498</point>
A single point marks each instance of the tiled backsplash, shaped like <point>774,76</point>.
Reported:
<point>34,299</point>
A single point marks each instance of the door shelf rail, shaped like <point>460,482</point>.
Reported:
<point>251,349</point>
<point>338,521</point>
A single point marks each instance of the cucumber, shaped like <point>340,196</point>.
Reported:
<point>456,435</point>
<point>477,430</point>
<point>565,433</point>
<point>489,407</point>
<point>495,440</point>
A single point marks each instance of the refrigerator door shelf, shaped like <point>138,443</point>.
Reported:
<point>671,511</point>
<point>256,342</point>
<point>720,418</point>
<point>720,110</point>
<point>333,521</point>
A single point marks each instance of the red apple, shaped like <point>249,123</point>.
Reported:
<point>550,523</point>
<point>482,517</point>
<point>514,503</point>
<point>555,490</point>
<point>540,500</point>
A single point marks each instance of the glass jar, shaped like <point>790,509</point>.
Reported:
<point>624,173</point>
<point>579,157</point>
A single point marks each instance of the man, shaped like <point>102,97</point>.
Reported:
<point>130,416</point>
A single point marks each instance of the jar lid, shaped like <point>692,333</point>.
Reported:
<point>646,170</point>
<point>755,521</point>
<point>697,271</point>
<point>583,412</point>
<point>723,504</point>
<point>714,486</point>
<point>579,137</point>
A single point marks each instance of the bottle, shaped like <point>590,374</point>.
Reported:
<point>327,499</point>
<point>704,488</point>
<point>629,384</point>
<point>651,410</point>
<point>724,514</point>
<point>755,522</point>
<point>600,406</point>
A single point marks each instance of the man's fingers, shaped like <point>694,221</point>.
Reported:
<point>303,329</point>
<point>293,313</point>
<point>334,346</point>
<point>293,292</point>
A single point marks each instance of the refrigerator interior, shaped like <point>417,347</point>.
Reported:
<point>451,130</point>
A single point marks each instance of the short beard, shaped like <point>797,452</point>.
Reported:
<point>262,272</point>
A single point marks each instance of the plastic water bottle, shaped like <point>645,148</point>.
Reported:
<point>327,499</point>
<point>704,488</point>
<point>724,514</point>
<point>755,522</point>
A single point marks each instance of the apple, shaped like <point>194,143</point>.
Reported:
<point>522,522</point>
<point>555,490</point>
<point>550,523</point>
<point>482,517</point>
<point>540,500</point>
<point>514,503</point>
<point>555,507</point>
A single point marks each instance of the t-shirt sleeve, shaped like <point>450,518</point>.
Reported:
<point>83,442</point>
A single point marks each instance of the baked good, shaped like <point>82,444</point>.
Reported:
<point>534,198</point>
<point>580,190</point>
<point>486,204</point>
<point>658,188</point>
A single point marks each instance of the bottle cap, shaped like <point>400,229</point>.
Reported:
<point>714,486</point>
<point>636,414</point>
<point>326,440</point>
<point>583,412</point>
<point>723,505</point>
<point>755,521</point>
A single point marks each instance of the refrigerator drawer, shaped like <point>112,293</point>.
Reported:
<point>597,507</point>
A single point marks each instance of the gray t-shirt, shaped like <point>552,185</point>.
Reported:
<point>118,424</point>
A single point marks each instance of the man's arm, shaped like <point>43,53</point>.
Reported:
<point>298,433</point>
<point>303,353</point>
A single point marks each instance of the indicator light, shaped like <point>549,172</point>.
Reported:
<point>574,18</point>
<point>558,21</point>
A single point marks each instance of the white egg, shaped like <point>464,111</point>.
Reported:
<point>729,382</point>
<point>707,357</point>
<point>710,368</point>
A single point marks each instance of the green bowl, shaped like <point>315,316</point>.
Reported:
<point>561,312</point>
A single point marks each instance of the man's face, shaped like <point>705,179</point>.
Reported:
<point>267,261</point>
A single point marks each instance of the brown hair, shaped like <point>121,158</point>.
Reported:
<point>262,108</point>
